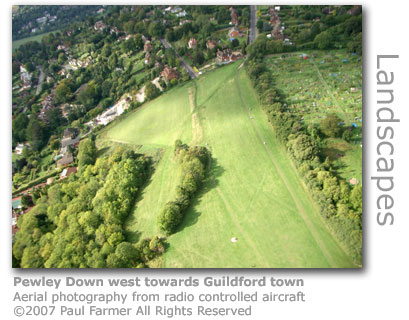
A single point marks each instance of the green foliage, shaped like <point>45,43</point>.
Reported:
<point>36,134</point>
<point>303,148</point>
<point>151,91</point>
<point>78,222</point>
<point>192,163</point>
<point>169,218</point>
<point>324,40</point>
<point>87,153</point>
<point>63,92</point>
<point>330,125</point>
<point>341,207</point>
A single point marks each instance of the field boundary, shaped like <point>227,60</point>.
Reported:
<point>294,198</point>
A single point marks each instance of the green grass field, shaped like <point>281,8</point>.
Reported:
<point>253,192</point>
<point>17,43</point>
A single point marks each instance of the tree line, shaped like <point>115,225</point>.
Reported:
<point>340,204</point>
<point>192,162</point>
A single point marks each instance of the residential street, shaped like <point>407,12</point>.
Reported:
<point>185,65</point>
<point>40,80</point>
<point>253,24</point>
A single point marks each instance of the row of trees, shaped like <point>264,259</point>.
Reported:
<point>192,161</point>
<point>340,204</point>
<point>78,223</point>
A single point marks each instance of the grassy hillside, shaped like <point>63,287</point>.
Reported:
<point>17,43</point>
<point>253,192</point>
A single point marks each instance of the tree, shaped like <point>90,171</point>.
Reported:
<point>156,29</point>
<point>63,92</point>
<point>35,133</point>
<point>87,153</point>
<point>235,43</point>
<point>324,40</point>
<point>303,148</point>
<point>330,125</point>
<point>347,135</point>
<point>19,126</point>
<point>15,68</point>
<point>29,67</point>
<point>151,91</point>
<point>169,218</point>
<point>260,25</point>
<point>198,57</point>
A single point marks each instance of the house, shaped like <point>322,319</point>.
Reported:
<point>99,26</point>
<point>233,33</point>
<point>169,73</point>
<point>20,147</point>
<point>192,43</point>
<point>181,14</point>
<point>147,57</point>
<point>66,159</point>
<point>176,10</point>
<point>70,133</point>
<point>182,22</point>
<point>234,17</point>
<point>227,56</point>
<point>147,47</point>
<point>114,30</point>
<point>210,44</point>
<point>100,11</point>
<point>62,47</point>
<point>67,172</point>
<point>70,142</point>
<point>355,10</point>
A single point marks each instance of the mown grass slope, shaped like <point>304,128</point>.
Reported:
<point>253,192</point>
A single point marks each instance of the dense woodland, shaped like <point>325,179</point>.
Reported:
<point>78,223</point>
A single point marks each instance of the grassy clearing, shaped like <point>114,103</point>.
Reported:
<point>17,43</point>
<point>253,192</point>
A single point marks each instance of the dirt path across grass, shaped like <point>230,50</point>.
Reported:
<point>197,131</point>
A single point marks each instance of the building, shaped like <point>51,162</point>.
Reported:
<point>181,14</point>
<point>234,33</point>
<point>234,17</point>
<point>20,147</point>
<point>99,26</point>
<point>70,133</point>
<point>227,56</point>
<point>147,47</point>
<point>114,30</point>
<point>210,44</point>
<point>169,73</point>
<point>66,160</point>
<point>69,142</point>
<point>192,43</point>
<point>67,172</point>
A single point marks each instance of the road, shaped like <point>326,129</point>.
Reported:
<point>253,24</point>
<point>184,64</point>
<point>40,81</point>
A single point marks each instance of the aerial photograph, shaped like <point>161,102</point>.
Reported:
<point>186,136</point>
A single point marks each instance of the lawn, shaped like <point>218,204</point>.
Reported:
<point>253,192</point>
